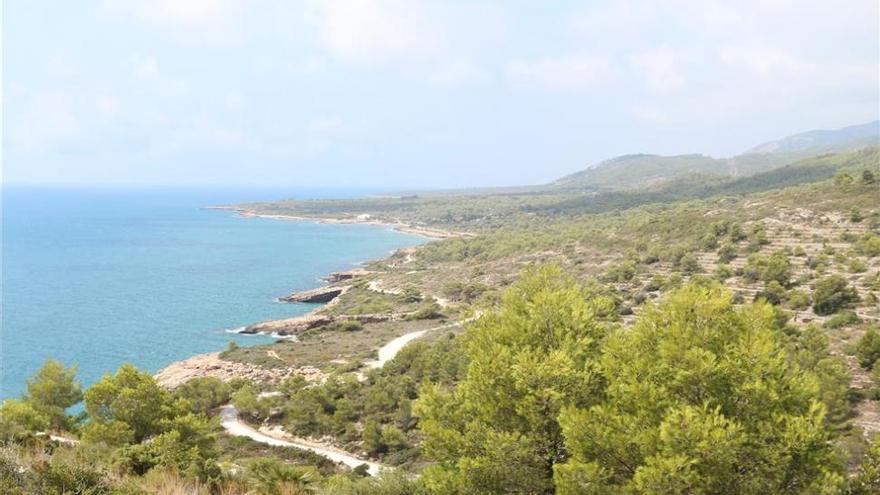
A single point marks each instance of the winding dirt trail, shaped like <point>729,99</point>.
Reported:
<point>234,426</point>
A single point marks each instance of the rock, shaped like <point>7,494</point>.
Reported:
<point>205,365</point>
<point>289,326</point>
<point>346,275</point>
<point>292,326</point>
<point>319,295</point>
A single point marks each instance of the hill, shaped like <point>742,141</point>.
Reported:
<point>640,171</point>
<point>829,140</point>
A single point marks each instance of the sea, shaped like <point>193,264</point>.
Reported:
<point>98,277</point>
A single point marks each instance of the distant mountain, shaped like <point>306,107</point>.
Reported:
<point>642,171</point>
<point>846,137</point>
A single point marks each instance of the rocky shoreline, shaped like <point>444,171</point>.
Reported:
<point>211,365</point>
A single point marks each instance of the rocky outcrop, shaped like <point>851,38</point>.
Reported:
<point>319,295</point>
<point>346,275</point>
<point>205,365</point>
<point>291,326</point>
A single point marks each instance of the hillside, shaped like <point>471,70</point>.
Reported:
<point>708,315</point>
<point>776,236</point>
<point>640,171</point>
<point>631,172</point>
<point>830,140</point>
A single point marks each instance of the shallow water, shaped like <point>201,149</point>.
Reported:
<point>98,278</point>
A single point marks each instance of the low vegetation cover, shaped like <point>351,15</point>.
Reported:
<point>547,394</point>
<point>695,336</point>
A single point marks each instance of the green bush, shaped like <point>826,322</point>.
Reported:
<point>689,264</point>
<point>345,326</point>
<point>204,394</point>
<point>726,253</point>
<point>868,245</point>
<point>842,319</point>
<point>798,299</point>
<point>868,348</point>
<point>831,294</point>
<point>425,312</point>
<point>723,272</point>
<point>773,293</point>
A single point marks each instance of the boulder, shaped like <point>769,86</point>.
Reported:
<point>319,295</point>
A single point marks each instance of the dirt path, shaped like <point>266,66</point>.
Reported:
<point>388,351</point>
<point>234,426</point>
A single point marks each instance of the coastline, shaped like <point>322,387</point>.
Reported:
<point>210,364</point>
<point>402,227</point>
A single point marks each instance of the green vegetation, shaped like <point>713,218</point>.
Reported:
<point>831,294</point>
<point>673,334</point>
<point>137,438</point>
<point>868,348</point>
<point>497,431</point>
<point>382,403</point>
<point>554,397</point>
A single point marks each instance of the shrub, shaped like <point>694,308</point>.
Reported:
<point>204,394</point>
<point>689,264</point>
<point>856,265</point>
<point>655,283</point>
<point>831,294</point>
<point>855,215</point>
<point>723,272</point>
<point>466,292</point>
<point>868,245</point>
<point>621,272</point>
<point>345,326</point>
<point>773,293</point>
<point>798,299</point>
<point>775,267</point>
<point>868,348</point>
<point>736,233</point>
<point>726,253</point>
<point>425,312</point>
<point>842,319</point>
<point>410,295</point>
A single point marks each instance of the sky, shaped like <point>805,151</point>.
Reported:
<point>407,93</point>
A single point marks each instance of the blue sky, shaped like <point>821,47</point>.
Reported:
<point>414,94</point>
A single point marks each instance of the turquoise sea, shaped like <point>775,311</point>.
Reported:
<point>102,277</point>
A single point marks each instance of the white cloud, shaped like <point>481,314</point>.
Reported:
<point>44,120</point>
<point>107,105</point>
<point>146,68</point>
<point>659,68</point>
<point>457,73</point>
<point>206,19</point>
<point>568,72</point>
<point>376,32</point>
<point>321,133</point>
<point>324,125</point>
<point>200,134</point>
<point>61,66</point>
<point>234,101</point>
<point>650,114</point>
<point>737,60</point>
<point>441,43</point>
